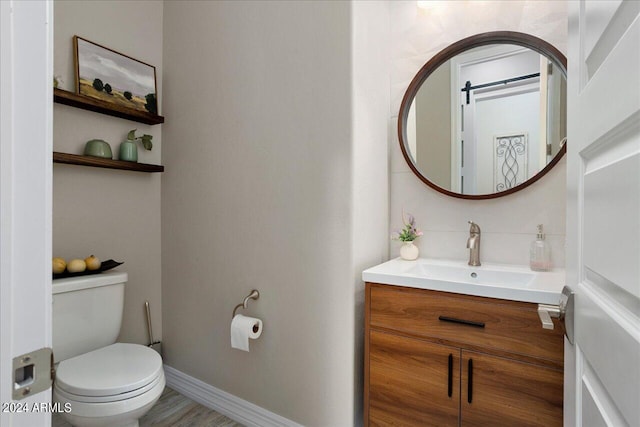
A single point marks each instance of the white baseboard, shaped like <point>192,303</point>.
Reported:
<point>227,404</point>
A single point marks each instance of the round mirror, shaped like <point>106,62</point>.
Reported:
<point>486,116</point>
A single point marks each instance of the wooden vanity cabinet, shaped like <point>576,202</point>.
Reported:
<point>506,392</point>
<point>405,374</point>
<point>441,359</point>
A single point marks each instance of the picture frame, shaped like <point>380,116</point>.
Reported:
<point>105,74</point>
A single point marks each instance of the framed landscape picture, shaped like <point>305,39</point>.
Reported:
<point>113,77</point>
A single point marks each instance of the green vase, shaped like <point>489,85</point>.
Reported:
<point>128,151</point>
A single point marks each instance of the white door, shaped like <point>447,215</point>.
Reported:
<point>602,368</point>
<point>26,72</point>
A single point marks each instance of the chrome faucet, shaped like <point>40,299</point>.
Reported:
<point>473,244</point>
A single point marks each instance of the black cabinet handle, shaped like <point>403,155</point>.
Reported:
<point>470,382</point>
<point>450,384</point>
<point>461,321</point>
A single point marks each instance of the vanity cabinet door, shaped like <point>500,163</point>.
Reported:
<point>412,382</point>
<point>497,391</point>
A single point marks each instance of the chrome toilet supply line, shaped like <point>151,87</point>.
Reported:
<point>253,295</point>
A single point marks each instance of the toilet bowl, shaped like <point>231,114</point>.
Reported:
<point>111,386</point>
<point>102,382</point>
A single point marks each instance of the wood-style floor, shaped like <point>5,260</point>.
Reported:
<point>175,410</point>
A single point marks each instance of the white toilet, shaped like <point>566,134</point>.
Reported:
<point>106,383</point>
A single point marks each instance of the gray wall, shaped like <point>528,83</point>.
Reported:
<point>109,213</point>
<point>269,186</point>
<point>370,174</point>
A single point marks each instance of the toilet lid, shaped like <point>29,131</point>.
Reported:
<point>115,369</point>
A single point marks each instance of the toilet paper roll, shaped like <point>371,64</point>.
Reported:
<point>243,328</point>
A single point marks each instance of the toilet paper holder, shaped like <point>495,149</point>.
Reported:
<point>253,295</point>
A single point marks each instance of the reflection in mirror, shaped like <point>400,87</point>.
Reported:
<point>488,119</point>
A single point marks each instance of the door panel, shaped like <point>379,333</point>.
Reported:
<point>605,23</point>
<point>598,14</point>
<point>603,212</point>
<point>610,349</point>
<point>596,402</point>
<point>409,382</point>
<point>26,73</point>
<point>590,408</point>
<point>611,203</point>
<point>506,393</point>
<point>612,85</point>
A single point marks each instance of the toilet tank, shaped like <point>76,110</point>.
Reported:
<point>87,313</point>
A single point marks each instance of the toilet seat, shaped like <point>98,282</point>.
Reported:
<point>117,372</point>
<point>110,398</point>
<point>109,413</point>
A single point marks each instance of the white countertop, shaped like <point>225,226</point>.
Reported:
<point>509,282</point>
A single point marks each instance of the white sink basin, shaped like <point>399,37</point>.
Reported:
<point>482,275</point>
<point>512,282</point>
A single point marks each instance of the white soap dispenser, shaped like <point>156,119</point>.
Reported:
<point>540,254</point>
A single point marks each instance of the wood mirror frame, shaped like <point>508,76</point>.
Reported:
<point>495,37</point>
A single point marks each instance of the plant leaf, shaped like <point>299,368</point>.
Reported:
<point>146,141</point>
<point>131,136</point>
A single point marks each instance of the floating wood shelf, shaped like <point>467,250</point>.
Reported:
<point>86,103</point>
<point>98,162</point>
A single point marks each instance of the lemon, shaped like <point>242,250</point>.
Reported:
<point>76,266</point>
<point>59,264</point>
<point>93,263</point>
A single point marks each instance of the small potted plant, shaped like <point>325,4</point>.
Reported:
<point>408,235</point>
<point>129,150</point>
